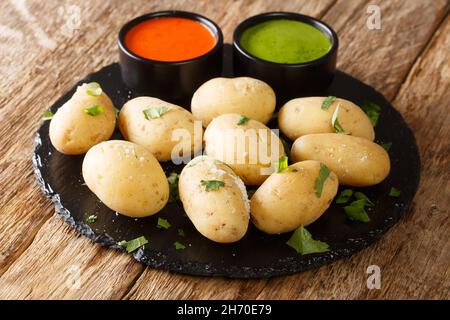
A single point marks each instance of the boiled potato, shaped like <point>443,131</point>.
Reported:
<point>126,177</point>
<point>76,126</point>
<point>161,127</point>
<point>246,96</point>
<point>249,148</point>
<point>303,116</point>
<point>215,199</point>
<point>288,199</point>
<point>356,161</point>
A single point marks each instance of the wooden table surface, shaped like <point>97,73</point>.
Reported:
<point>41,57</point>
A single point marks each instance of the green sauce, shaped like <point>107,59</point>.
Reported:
<point>285,41</point>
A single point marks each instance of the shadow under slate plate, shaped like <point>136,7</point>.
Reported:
<point>257,254</point>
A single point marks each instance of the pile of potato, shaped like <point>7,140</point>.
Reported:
<point>128,178</point>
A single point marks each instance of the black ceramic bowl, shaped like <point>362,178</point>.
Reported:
<point>171,81</point>
<point>288,80</point>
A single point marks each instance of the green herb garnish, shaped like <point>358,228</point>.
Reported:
<point>48,115</point>
<point>394,192</point>
<point>324,172</point>
<point>163,224</point>
<point>179,246</point>
<point>334,121</point>
<point>91,219</point>
<point>211,185</point>
<point>344,196</point>
<point>362,196</point>
<point>372,110</point>
<point>134,244</point>
<point>356,212</point>
<point>243,120</point>
<point>387,146</point>
<point>327,102</point>
<point>94,110</point>
<point>180,232</point>
<point>154,113</point>
<point>302,241</point>
<point>281,164</point>
<point>173,186</point>
<point>93,89</point>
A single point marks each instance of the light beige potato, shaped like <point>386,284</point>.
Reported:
<point>221,215</point>
<point>249,149</point>
<point>302,116</point>
<point>288,199</point>
<point>126,177</point>
<point>356,161</point>
<point>246,96</point>
<point>160,135</point>
<point>73,131</point>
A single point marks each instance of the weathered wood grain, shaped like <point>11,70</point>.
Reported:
<point>35,253</point>
<point>382,58</point>
<point>46,271</point>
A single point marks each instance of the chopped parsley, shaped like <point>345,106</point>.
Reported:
<point>372,110</point>
<point>302,242</point>
<point>356,212</point>
<point>48,115</point>
<point>91,219</point>
<point>324,172</point>
<point>211,185</point>
<point>344,196</point>
<point>281,164</point>
<point>94,110</point>
<point>335,122</point>
<point>327,102</point>
<point>94,89</point>
<point>394,192</point>
<point>134,244</point>
<point>387,146</point>
<point>173,186</point>
<point>179,245</point>
<point>180,232</point>
<point>243,120</point>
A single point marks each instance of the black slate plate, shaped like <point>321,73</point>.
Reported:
<point>257,254</point>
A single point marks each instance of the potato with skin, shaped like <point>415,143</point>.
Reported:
<point>74,131</point>
<point>158,132</point>
<point>302,116</point>
<point>249,148</point>
<point>356,161</point>
<point>219,212</point>
<point>246,96</point>
<point>126,177</point>
<point>288,199</point>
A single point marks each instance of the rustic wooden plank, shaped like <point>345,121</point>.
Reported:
<point>382,58</point>
<point>61,264</point>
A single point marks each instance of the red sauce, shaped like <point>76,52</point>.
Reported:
<point>169,39</point>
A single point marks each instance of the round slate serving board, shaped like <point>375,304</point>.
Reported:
<point>257,254</point>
